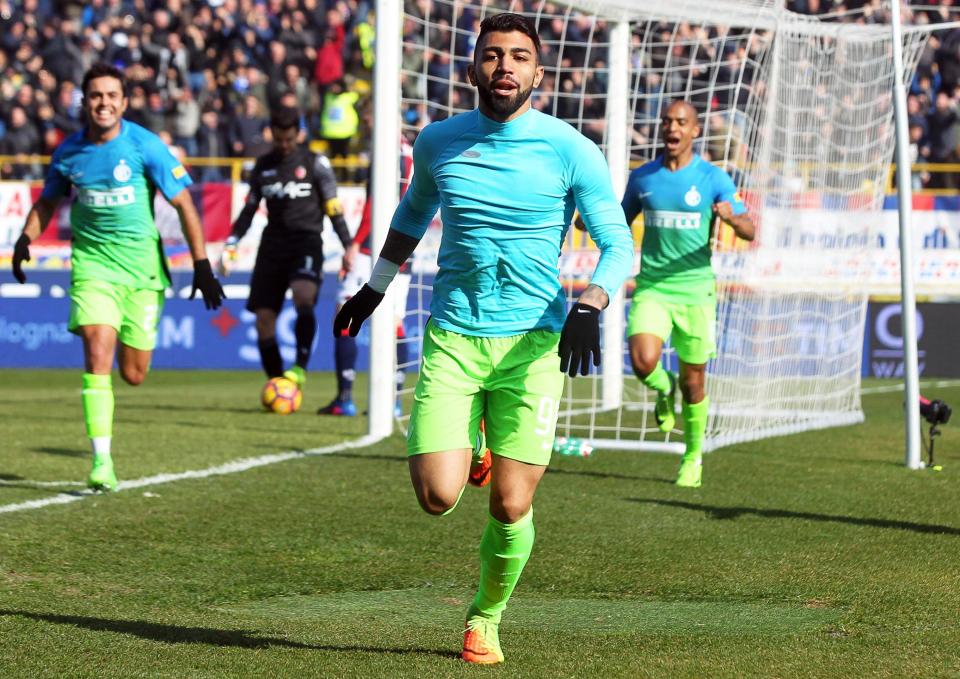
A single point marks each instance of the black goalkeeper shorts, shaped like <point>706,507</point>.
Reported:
<point>280,262</point>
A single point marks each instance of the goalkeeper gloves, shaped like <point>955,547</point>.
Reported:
<point>207,284</point>
<point>356,310</point>
<point>579,339</point>
<point>228,256</point>
<point>21,254</point>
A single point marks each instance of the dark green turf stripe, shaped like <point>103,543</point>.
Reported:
<point>436,607</point>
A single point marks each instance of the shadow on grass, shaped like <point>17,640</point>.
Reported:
<point>175,634</point>
<point>729,513</point>
<point>608,475</point>
<point>65,452</point>
<point>193,408</point>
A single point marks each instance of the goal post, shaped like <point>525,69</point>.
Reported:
<point>797,110</point>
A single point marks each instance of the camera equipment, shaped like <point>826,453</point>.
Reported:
<point>935,412</point>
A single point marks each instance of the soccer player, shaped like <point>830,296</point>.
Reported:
<point>118,270</point>
<point>354,273</point>
<point>680,194</point>
<point>300,189</point>
<point>506,178</point>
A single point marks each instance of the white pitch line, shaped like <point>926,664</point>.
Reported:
<point>232,467</point>
<point>899,387</point>
<point>40,484</point>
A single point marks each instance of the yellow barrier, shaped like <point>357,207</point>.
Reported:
<point>351,165</point>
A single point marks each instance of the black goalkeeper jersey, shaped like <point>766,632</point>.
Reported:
<point>300,190</point>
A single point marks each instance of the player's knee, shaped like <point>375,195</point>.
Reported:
<point>437,502</point>
<point>642,365</point>
<point>132,375</point>
<point>509,510</point>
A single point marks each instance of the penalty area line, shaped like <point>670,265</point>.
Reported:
<point>232,467</point>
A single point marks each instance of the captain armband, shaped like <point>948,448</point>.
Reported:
<point>333,207</point>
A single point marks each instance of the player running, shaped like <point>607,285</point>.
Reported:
<point>680,194</point>
<point>300,189</point>
<point>506,179</point>
<point>118,270</point>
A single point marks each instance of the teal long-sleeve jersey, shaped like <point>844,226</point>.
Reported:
<point>506,194</point>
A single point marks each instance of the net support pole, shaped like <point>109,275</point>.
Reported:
<point>618,97</point>
<point>904,205</point>
<point>385,176</point>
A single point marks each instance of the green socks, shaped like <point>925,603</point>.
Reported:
<point>504,550</point>
<point>694,427</point>
<point>658,380</point>
<point>98,410</point>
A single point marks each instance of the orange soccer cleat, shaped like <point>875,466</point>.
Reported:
<point>481,642</point>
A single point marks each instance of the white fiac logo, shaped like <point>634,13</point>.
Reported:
<point>692,197</point>
<point>290,190</point>
<point>122,172</point>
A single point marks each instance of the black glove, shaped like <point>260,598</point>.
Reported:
<point>356,310</point>
<point>207,284</point>
<point>21,254</point>
<point>579,338</point>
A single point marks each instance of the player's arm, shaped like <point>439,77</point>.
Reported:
<point>409,224</point>
<point>330,201</point>
<point>742,224</point>
<point>604,220</point>
<point>203,278</point>
<point>729,206</point>
<point>242,223</point>
<point>37,220</point>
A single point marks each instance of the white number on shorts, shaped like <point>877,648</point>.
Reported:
<point>547,413</point>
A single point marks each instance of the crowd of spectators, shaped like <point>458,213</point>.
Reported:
<point>204,74</point>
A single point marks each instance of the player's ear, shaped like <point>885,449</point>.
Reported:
<point>472,74</point>
<point>538,76</point>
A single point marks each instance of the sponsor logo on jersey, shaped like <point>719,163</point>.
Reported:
<point>667,219</point>
<point>179,172</point>
<point>300,172</point>
<point>123,195</point>
<point>122,172</point>
<point>288,190</point>
<point>737,197</point>
<point>692,197</point>
<point>470,153</point>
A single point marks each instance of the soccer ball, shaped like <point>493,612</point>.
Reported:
<point>281,396</point>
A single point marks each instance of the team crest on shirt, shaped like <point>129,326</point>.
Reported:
<point>300,172</point>
<point>692,197</point>
<point>122,172</point>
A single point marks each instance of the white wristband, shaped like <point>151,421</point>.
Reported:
<point>383,272</point>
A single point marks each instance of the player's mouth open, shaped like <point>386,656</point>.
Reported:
<point>504,88</point>
<point>673,140</point>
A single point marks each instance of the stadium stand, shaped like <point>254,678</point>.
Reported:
<point>203,74</point>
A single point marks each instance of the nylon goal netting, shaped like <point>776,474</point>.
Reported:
<point>798,111</point>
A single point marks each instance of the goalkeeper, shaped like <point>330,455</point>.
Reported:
<point>680,194</point>
<point>118,270</point>
<point>506,179</point>
<point>300,189</point>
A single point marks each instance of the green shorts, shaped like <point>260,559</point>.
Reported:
<point>513,383</point>
<point>693,327</point>
<point>132,312</point>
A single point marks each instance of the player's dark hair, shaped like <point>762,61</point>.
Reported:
<point>507,22</point>
<point>102,69</point>
<point>284,117</point>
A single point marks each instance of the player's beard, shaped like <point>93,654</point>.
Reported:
<point>503,106</point>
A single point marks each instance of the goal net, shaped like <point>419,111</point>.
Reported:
<point>798,111</point>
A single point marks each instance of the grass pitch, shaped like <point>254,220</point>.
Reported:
<point>817,555</point>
